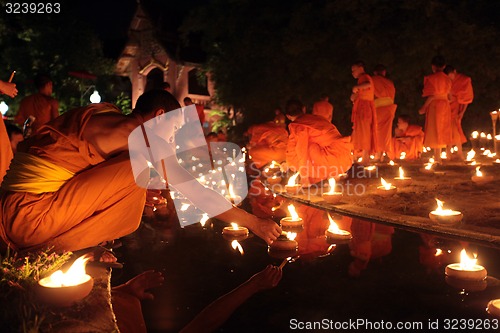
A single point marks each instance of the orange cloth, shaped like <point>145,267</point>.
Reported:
<point>316,149</point>
<point>43,108</point>
<point>267,142</point>
<point>311,241</point>
<point>411,142</point>
<point>438,132</point>
<point>462,93</point>
<point>5,150</point>
<point>364,118</point>
<point>323,109</point>
<point>200,109</point>
<point>101,202</point>
<point>386,109</point>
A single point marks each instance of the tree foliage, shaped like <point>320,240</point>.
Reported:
<point>261,53</point>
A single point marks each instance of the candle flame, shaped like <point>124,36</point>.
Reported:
<point>466,263</point>
<point>293,213</point>
<point>497,160</point>
<point>291,235</point>
<point>443,212</point>
<point>274,165</point>
<point>402,156</point>
<point>475,134</point>
<point>185,207</point>
<point>237,246</point>
<point>385,184</point>
<point>486,152</point>
<point>483,135</point>
<point>443,155</point>
<point>489,137</point>
<point>231,191</point>
<point>470,155</point>
<point>74,276</point>
<point>204,219</point>
<point>292,179</point>
<point>333,228</point>
<point>234,226</point>
<point>391,163</point>
<point>401,173</point>
<point>478,172</point>
<point>438,253</point>
<point>332,184</point>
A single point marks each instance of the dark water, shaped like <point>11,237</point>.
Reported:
<point>382,277</point>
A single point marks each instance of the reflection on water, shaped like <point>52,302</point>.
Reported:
<point>383,273</point>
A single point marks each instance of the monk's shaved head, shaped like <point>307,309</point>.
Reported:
<point>156,99</point>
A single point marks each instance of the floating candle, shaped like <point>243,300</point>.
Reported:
<point>334,233</point>
<point>285,242</point>
<point>467,269</point>
<point>291,186</point>
<point>332,197</point>
<point>402,181</point>
<point>493,307</point>
<point>481,179</point>
<point>235,230</point>
<point>445,216</point>
<point>386,189</point>
<point>293,221</point>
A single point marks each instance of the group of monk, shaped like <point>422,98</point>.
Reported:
<point>314,147</point>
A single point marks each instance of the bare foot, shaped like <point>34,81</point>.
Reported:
<point>102,254</point>
<point>138,285</point>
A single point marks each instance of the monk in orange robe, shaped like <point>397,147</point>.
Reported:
<point>364,116</point>
<point>386,109</point>
<point>200,109</point>
<point>6,155</point>
<point>267,142</point>
<point>323,108</point>
<point>71,185</point>
<point>409,139</point>
<point>462,95</point>
<point>437,87</point>
<point>40,105</point>
<point>315,148</point>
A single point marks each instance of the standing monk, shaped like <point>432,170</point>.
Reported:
<point>323,108</point>
<point>40,105</point>
<point>364,117</point>
<point>436,108</point>
<point>461,96</point>
<point>386,109</point>
<point>73,186</point>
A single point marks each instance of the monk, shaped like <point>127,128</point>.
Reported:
<point>315,147</point>
<point>323,108</point>
<point>40,105</point>
<point>6,154</point>
<point>437,86</point>
<point>462,95</point>
<point>384,92</point>
<point>72,185</point>
<point>279,117</point>
<point>409,139</point>
<point>364,116</point>
<point>200,109</point>
<point>267,142</point>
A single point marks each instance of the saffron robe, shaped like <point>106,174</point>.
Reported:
<point>323,109</point>
<point>384,92</point>
<point>462,93</point>
<point>5,150</point>
<point>267,142</point>
<point>100,202</point>
<point>438,131</point>
<point>411,142</point>
<point>364,118</point>
<point>316,149</point>
<point>43,108</point>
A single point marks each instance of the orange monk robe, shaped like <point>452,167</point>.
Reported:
<point>386,109</point>
<point>267,142</point>
<point>364,118</point>
<point>462,93</point>
<point>264,204</point>
<point>438,131</point>
<point>316,149</point>
<point>411,142</point>
<point>43,108</point>
<point>5,150</point>
<point>311,241</point>
<point>100,202</point>
<point>323,109</point>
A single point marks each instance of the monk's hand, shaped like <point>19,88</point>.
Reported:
<point>266,229</point>
<point>267,278</point>
<point>139,285</point>
<point>8,88</point>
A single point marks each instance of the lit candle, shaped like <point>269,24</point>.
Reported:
<point>285,242</point>
<point>474,139</point>
<point>272,169</point>
<point>386,189</point>
<point>293,221</point>
<point>64,289</point>
<point>237,246</point>
<point>402,181</point>
<point>493,307</point>
<point>467,269</point>
<point>332,197</point>
<point>445,216</point>
<point>335,233</point>
<point>233,197</point>
<point>235,230</point>
<point>292,186</point>
<point>470,156</point>
<point>428,167</point>
<point>370,171</point>
<point>481,179</point>
<point>482,140</point>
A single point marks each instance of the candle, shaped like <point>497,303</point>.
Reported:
<point>293,221</point>
<point>334,233</point>
<point>474,139</point>
<point>481,179</point>
<point>235,230</point>
<point>470,156</point>
<point>445,216</point>
<point>402,181</point>
<point>370,171</point>
<point>273,180</point>
<point>291,186</point>
<point>428,167</point>
<point>332,197</point>
<point>233,197</point>
<point>237,246</point>
<point>272,169</point>
<point>64,289</point>
<point>482,140</point>
<point>467,269</point>
<point>493,307</point>
<point>386,189</point>
<point>285,242</point>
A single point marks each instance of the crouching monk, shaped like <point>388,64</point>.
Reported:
<point>71,185</point>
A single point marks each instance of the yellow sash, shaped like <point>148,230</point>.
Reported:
<point>383,101</point>
<point>29,173</point>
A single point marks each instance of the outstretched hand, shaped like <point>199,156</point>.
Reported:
<point>139,285</point>
<point>266,229</point>
<point>267,278</point>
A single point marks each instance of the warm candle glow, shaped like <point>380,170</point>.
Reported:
<point>237,246</point>
<point>486,152</point>
<point>402,156</point>
<point>489,137</point>
<point>475,134</point>
<point>274,165</point>
<point>478,172</point>
<point>293,213</point>
<point>443,155</point>
<point>333,228</point>
<point>470,155</point>
<point>291,235</point>
<point>332,184</point>
<point>370,168</point>
<point>466,263</point>
<point>74,276</point>
<point>292,180</point>
<point>385,184</point>
<point>204,219</point>
<point>444,212</point>
<point>438,252</point>
<point>401,173</point>
<point>184,207</point>
<point>391,163</point>
<point>234,226</point>
<point>483,135</point>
